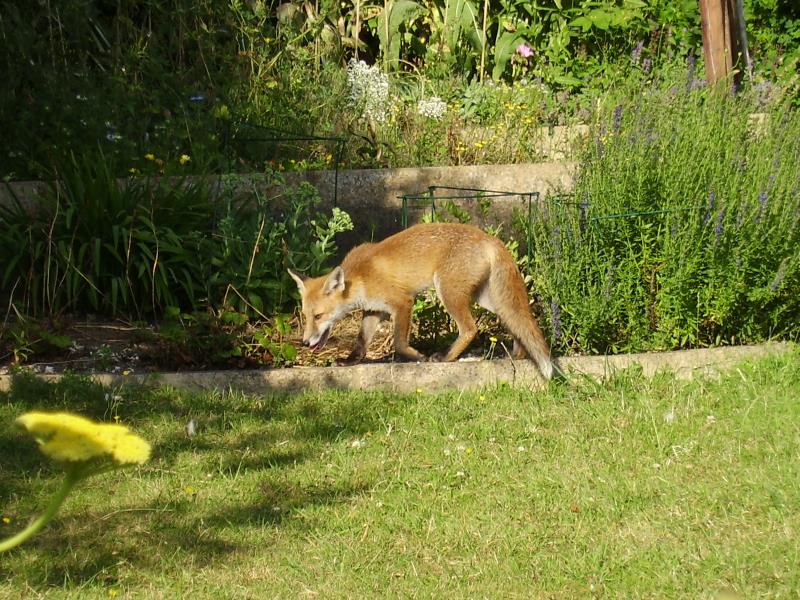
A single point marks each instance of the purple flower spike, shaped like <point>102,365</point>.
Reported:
<point>637,52</point>
<point>712,197</point>
<point>556,310</point>
<point>584,213</point>
<point>719,226</point>
<point>617,118</point>
<point>762,204</point>
<point>776,282</point>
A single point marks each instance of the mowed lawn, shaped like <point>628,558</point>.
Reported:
<point>632,488</point>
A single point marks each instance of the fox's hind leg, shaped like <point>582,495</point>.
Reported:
<point>519,352</point>
<point>456,295</point>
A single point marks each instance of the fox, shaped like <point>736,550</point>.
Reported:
<point>461,262</point>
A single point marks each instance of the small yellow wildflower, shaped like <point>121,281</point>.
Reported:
<point>479,145</point>
<point>184,159</point>
<point>6,520</point>
<point>68,437</point>
<point>133,171</point>
<point>149,156</point>
<point>493,339</point>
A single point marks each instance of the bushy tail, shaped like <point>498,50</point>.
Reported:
<point>510,299</point>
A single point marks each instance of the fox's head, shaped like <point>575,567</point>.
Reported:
<point>323,305</point>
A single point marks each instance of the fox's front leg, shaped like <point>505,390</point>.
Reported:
<point>402,329</point>
<point>369,323</point>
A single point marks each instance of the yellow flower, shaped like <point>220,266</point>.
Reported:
<point>68,437</point>
<point>149,156</point>
<point>185,158</point>
<point>6,520</point>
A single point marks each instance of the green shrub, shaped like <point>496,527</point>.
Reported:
<point>138,246</point>
<point>683,227</point>
<point>252,248</point>
<point>106,246</point>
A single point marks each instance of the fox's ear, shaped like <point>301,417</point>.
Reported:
<point>334,282</point>
<point>299,280</point>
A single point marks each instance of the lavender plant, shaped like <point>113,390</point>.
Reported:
<point>683,227</point>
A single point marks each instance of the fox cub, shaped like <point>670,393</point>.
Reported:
<point>461,262</point>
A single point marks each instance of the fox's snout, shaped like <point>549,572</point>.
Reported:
<point>317,338</point>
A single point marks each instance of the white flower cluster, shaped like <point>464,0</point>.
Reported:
<point>433,108</point>
<point>369,87</point>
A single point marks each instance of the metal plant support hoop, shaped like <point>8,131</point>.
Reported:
<point>429,198</point>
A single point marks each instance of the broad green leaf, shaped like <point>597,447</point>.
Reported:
<point>600,19</point>
<point>583,22</point>
<point>567,80</point>
<point>400,12</point>
<point>503,51</point>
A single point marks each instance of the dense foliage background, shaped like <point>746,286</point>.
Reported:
<point>164,77</point>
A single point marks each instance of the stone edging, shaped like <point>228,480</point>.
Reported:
<point>437,377</point>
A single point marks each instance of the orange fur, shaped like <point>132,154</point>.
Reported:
<point>461,262</point>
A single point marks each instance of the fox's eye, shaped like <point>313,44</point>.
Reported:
<point>317,316</point>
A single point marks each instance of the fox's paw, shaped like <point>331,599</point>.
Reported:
<point>407,357</point>
<point>352,359</point>
<point>438,357</point>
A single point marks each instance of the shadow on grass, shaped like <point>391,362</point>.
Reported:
<point>96,548</point>
<point>247,446</point>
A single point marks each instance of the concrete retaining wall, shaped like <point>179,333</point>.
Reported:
<point>372,196</point>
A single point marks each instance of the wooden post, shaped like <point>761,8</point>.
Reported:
<point>724,40</point>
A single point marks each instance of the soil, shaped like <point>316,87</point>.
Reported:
<point>89,345</point>
<point>97,346</point>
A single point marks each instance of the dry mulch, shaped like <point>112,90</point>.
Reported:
<point>98,346</point>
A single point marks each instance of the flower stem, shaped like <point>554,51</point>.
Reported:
<point>73,476</point>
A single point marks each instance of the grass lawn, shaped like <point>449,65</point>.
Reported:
<point>629,488</point>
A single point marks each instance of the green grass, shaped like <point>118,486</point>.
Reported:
<point>630,488</point>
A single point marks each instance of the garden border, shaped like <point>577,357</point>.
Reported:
<point>437,377</point>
